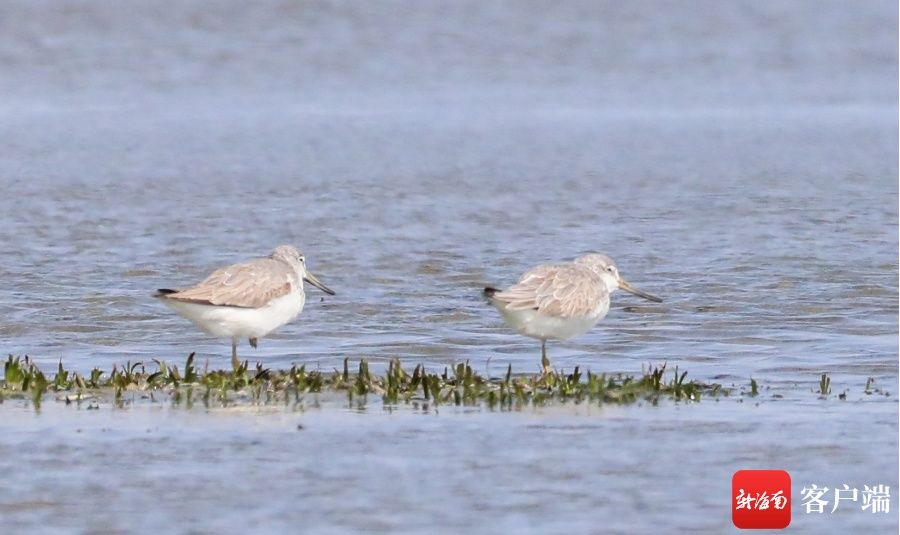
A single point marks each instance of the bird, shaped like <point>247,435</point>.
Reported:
<point>246,300</point>
<point>561,301</point>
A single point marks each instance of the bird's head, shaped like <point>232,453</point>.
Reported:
<point>606,268</point>
<point>294,258</point>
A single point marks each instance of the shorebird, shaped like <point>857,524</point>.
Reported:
<point>246,300</point>
<point>561,301</point>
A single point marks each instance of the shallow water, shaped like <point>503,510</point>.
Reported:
<point>741,164</point>
<point>558,469</point>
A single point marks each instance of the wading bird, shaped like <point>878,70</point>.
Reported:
<point>561,301</point>
<point>247,300</point>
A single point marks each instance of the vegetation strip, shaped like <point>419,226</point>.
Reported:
<point>457,385</point>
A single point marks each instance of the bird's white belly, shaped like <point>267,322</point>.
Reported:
<point>545,327</point>
<point>238,322</point>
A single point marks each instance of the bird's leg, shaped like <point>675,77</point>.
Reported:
<point>545,362</point>
<point>235,363</point>
<point>253,342</point>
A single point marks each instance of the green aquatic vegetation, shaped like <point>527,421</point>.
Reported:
<point>872,389</point>
<point>454,385</point>
<point>825,385</point>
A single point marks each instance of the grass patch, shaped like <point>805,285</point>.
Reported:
<point>456,385</point>
<point>825,385</point>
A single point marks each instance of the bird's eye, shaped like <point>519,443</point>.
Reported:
<point>611,269</point>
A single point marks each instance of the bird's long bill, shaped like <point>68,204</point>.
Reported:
<point>631,289</point>
<point>310,278</point>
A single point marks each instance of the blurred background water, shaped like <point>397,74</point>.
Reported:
<point>738,159</point>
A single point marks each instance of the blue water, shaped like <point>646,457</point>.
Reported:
<point>738,159</point>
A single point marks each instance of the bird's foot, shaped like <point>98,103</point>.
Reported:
<point>545,366</point>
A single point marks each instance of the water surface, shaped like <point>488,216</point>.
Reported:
<point>738,159</point>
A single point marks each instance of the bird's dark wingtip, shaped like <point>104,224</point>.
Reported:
<point>489,292</point>
<point>162,292</point>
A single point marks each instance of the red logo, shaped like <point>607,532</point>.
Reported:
<point>761,499</point>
